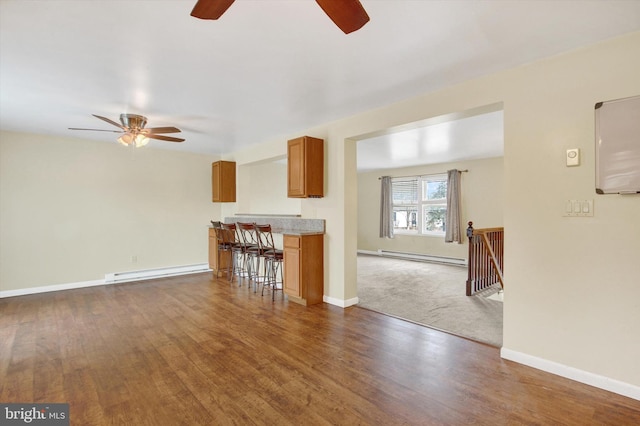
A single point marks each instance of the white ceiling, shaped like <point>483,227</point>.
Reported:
<point>267,69</point>
<point>438,140</point>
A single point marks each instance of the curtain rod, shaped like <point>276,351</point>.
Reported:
<point>430,174</point>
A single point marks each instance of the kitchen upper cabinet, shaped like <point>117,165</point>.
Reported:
<point>305,167</point>
<point>223,181</point>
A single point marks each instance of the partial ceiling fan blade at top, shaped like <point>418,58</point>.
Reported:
<point>97,130</point>
<point>164,138</point>
<point>149,130</point>
<point>348,15</point>
<point>210,9</point>
<point>110,121</point>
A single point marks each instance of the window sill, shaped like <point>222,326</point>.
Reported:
<point>416,234</point>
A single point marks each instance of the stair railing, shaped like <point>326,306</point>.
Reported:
<point>486,258</point>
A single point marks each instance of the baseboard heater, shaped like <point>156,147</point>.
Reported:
<point>422,257</point>
<point>148,274</point>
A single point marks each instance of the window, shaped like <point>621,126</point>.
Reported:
<point>419,204</point>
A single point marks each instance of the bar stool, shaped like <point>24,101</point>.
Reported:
<point>261,272</point>
<point>251,250</point>
<point>273,259</point>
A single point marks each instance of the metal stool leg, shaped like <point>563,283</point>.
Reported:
<point>277,267</point>
<point>268,261</point>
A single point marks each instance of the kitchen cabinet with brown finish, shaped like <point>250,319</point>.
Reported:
<point>304,268</point>
<point>305,167</point>
<point>219,260</point>
<point>223,181</point>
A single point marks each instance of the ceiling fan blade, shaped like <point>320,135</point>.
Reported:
<point>96,130</point>
<point>110,121</point>
<point>348,15</point>
<point>164,138</point>
<point>160,130</point>
<point>210,9</point>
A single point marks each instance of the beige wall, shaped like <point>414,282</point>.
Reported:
<point>74,210</point>
<point>572,294</point>
<point>482,203</point>
<point>572,283</point>
<point>262,189</point>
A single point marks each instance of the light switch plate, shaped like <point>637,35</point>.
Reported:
<point>573,157</point>
<point>578,208</point>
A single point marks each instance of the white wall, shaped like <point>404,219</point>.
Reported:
<point>74,210</point>
<point>482,203</point>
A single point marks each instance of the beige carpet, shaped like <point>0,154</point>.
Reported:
<point>431,294</point>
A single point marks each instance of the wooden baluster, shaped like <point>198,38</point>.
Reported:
<point>486,258</point>
<point>486,271</point>
<point>471,260</point>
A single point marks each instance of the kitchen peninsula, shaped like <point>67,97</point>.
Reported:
<point>303,246</point>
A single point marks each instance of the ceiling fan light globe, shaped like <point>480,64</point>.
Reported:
<point>141,140</point>
<point>125,139</point>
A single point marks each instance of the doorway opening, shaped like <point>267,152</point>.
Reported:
<point>417,276</point>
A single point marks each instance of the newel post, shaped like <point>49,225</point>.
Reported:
<point>470,261</point>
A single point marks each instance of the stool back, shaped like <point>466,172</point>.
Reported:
<point>265,238</point>
<point>247,235</point>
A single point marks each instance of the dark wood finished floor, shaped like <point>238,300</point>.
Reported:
<point>195,351</point>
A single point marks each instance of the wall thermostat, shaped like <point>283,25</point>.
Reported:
<point>573,157</point>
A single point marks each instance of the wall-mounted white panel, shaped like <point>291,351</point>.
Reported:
<point>618,146</point>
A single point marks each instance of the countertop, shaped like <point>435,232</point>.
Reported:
<point>284,225</point>
<point>294,232</point>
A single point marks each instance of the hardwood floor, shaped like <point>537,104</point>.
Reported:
<point>192,350</point>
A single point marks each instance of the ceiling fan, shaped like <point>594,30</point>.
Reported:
<point>134,132</point>
<point>348,15</point>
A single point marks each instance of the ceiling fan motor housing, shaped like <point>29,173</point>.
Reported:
<point>133,121</point>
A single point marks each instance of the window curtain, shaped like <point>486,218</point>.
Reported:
<point>453,230</point>
<point>386,208</point>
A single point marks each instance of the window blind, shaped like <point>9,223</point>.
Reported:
<point>405,190</point>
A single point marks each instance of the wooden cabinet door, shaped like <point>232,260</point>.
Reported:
<point>219,260</point>
<point>314,167</point>
<point>223,181</point>
<point>216,181</point>
<point>213,250</point>
<point>292,284</point>
<point>296,168</point>
<point>305,167</point>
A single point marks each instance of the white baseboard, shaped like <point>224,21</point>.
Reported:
<point>602,382</point>
<point>48,288</point>
<point>340,302</point>
<point>147,274</point>
<point>416,256</point>
<point>114,278</point>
